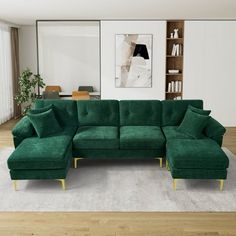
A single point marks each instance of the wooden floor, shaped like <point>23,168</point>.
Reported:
<point>5,133</point>
<point>230,139</point>
<point>116,223</point>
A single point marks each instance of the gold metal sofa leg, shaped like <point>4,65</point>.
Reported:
<point>14,184</point>
<point>161,160</point>
<point>63,183</point>
<point>76,159</point>
<point>174,183</point>
<point>221,184</point>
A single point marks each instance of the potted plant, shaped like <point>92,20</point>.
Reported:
<point>28,85</point>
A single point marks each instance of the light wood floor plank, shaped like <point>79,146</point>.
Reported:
<point>117,224</point>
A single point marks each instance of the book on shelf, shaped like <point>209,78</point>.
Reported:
<point>179,86</point>
<point>174,87</point>
<point>177,50</point>
<point>169,87</point>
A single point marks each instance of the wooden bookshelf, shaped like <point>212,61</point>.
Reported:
<point>174,60</point>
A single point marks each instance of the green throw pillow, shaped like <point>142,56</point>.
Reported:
<point>45,123</point>
<point>40,110</point>
<point>199,111</point>
<point>193,124</point>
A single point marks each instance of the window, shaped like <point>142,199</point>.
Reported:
<point>6,91</point>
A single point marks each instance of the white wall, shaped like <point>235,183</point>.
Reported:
<point>108,31</point>
<point>27,48</point>
<point>210,66</point>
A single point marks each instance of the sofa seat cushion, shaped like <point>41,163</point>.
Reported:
<point>141,137</point>
<point>96,137</point>
<point>196,154</point>
<point>50,152</point>
<point>171,132</point>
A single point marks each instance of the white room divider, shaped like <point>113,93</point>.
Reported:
<point>68,54</point>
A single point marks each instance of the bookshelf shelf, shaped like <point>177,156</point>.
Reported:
<point>174,56</point>
<point>174,60</point>
<point>173,74</point>
<point>173,92</point>
<point>174,38</point>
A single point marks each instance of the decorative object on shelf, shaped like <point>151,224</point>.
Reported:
<point>133,61</point>
<point>171,35</point>
<point>176,35</point>
<point>28,83</point>
<point>173,71</point>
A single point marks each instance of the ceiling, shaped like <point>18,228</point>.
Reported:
<point>25,12</point>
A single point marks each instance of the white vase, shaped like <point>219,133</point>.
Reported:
<point>176,35</point>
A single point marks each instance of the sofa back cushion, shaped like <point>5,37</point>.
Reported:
<point>140,112</point>
<point>173,111</point>
<point>98,112</point>
<point>65,110</point>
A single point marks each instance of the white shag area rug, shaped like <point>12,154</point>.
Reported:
<point>117,186</point>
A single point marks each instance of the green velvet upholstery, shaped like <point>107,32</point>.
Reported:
<point>98,112</point>
<point>173,111</point>
<point>96,137</point>
<point>65,110</point>
<point>119,154</point>
<point>171,132</point>
<point>40,110</point>
<point>140,112</point>
<point>193,124</point>
<point>46,153</point>
<point>41,174</point>
<point>199,111</point>
<point>214,130</point>
<point>198,174</point>
<point>109,129</point>
<point>141,137</point>
<point>45,123</point>
<point>23,129</point>
<point>196,154</point>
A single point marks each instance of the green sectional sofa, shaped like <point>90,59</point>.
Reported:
<point>111,129</point>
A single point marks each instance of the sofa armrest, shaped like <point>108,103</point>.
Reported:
<point>23,129</point>
<point>215,130</point>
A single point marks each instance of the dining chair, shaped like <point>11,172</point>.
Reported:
<point>50,95</point>
<point>80,95</point>
<point>53,88</point>
<point>86,88</point>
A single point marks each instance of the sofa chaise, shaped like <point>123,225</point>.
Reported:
<point>111,129</point>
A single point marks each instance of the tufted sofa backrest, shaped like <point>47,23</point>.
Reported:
<point>140,112</point>
<point>173,111</point>
<point>98,112</point>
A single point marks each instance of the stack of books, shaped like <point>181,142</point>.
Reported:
<point>177,50</point>
<point>174,86</point>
